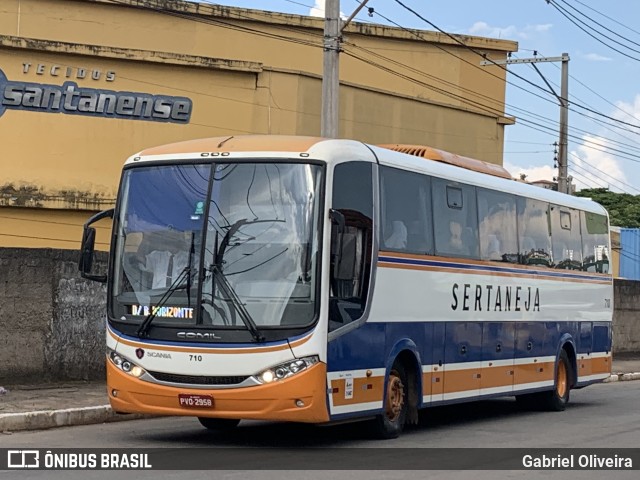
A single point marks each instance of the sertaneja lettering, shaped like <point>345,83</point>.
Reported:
<point>495,298</point>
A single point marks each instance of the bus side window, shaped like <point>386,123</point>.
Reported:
<point>456,227</point>
<point>533,232</point>
<point>595,242</point>
<point>497,226</point>
<point>565,236</point>
<point>405,208</point>
<point>352,245</point>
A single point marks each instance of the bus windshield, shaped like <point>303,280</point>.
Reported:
<point>231,246</point>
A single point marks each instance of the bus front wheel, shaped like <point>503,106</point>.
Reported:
<point>218,423</point>
<point>391,422</point>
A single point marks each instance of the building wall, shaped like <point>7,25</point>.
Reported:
<point>52,323</point>
<point>626,316</point>
<point>67,165</point>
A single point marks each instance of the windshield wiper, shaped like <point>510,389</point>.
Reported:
<point>225,286</point>
<point>175,286</point>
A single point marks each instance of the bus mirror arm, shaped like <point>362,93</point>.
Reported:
<point>87,247</point>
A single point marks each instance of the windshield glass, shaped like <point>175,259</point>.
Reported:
<point>262,244</point>
<point>158,244</point>
<point>226,252</point>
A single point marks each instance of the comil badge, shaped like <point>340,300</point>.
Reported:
<point>71,99</point>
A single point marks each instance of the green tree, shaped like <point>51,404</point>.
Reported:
<point>623,208</point>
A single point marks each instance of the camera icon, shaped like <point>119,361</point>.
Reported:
<point>23,459</point>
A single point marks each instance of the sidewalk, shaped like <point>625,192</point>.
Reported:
<point>36,407</point>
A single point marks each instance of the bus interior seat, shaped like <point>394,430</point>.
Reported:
<point>416,239</point>
<point>493,248</point>
<point>398,238</point>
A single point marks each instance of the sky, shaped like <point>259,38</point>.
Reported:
<point>604,91</point>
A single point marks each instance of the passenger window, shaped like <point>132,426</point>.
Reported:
<point>351,242</point>
<point>454,208</point>
<point>565,236</point>
<point>533,232</point>
<point>595,242</point>
<point>405,211</point>
<point>497,225</point>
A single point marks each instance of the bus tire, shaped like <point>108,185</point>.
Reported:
<point>218,423</point>
<point>556,400</point>
<point>391,422</point>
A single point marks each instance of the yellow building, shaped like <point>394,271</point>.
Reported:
<point>86,83</point>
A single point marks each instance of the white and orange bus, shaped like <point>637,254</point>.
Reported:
<point>312,280</point>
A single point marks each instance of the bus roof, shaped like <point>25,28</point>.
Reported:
<point>242,143</point>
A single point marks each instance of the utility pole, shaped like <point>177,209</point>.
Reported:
<point>333,28</point>
<point>330,70</point>
<point>563,98</point>
<point>563,164</point>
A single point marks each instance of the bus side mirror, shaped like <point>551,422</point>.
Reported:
<point>87,248</point>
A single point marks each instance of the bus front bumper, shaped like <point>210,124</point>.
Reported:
<point>280,400</point>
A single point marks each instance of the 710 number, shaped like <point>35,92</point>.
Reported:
<point>195,358</point>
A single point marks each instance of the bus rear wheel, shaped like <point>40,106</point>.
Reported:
<point>556,400</point>
<point>391,422</point>
<point>218,423</point>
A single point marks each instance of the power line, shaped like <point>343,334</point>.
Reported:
<point>607,17</point>
<point>605,27</point>
<point>604,173</point>
<point>578,23</point>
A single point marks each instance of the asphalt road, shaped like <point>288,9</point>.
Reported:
<point>605,415</point>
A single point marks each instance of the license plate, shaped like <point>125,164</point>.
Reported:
<point>195,401</point>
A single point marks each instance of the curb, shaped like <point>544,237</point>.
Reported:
<point>43,419</point>
<point>622,377</point>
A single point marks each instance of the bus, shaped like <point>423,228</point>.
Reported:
<point>316,280</point>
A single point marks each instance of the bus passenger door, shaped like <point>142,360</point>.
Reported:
<point>498,350</point>
<point>463,354</point>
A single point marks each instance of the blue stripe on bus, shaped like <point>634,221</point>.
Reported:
<point>488,268</point>
<point>370,346</point>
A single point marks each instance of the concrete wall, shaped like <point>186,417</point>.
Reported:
<point>51,321</point>
<point>626,316</point>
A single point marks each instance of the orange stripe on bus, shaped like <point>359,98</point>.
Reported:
<point>533,372</point>
<point>601,365</point>
<point>365,389</point>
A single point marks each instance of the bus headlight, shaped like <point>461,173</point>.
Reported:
<point>286,370</point>
<point>126,365</point>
